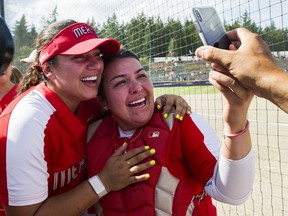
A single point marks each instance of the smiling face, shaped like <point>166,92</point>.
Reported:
<point>76,78</point>
<point>129,93</point>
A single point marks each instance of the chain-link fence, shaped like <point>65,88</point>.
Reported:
<point>161,32</point>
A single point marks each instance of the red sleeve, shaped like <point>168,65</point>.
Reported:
<point>8,97</point>
<point>189,158</point>
<point>197,156</point>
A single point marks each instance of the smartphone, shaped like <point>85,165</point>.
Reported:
<point>210,27</point>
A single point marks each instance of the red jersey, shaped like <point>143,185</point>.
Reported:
<point>8,97</point>
<point>42,147</point>
<point>183,167</point>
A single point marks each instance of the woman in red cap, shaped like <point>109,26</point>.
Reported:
<point>42,141</point>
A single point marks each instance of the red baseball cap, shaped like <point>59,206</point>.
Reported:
<point>76,39</point>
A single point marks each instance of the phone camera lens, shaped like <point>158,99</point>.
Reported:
<point>198,15</point>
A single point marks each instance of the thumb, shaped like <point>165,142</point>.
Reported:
<point>216,55</point>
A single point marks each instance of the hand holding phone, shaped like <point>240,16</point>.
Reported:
<point>210,27</point>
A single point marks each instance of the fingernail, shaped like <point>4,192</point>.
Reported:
<point>165,115</point>
<point>147,176</point>
<point>177,116</point>
<point>181,118</point>
<point>147,147</point>
<point>211,73</point>
<point>152,151</point>
<point>158,107</point>
<point>152,162</point>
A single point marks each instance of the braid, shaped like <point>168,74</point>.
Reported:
<point>31,78</point>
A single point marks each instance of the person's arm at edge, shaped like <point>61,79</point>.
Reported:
<point>217,186</point>
<point>277,92</point>
<point>235,169</point>
<point>251,62</point>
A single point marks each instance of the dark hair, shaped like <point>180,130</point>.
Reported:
<point>123,53</point>
<point>16,75</point>
<point>34,74</point>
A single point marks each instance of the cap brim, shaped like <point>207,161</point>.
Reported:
<point>108,46</point>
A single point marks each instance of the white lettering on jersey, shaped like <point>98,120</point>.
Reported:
<point>64,177</point>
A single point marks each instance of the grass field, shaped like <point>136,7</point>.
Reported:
<point>184,90</point>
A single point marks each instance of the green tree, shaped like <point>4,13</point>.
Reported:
<point>171,47</point>
<point>95,26</point>
<point>249,24</point>
<point>173,31</point>
<point>155,40</point>
<point>21,33</point>
<point>32,36</point>
<point>234,25</point>
<point>190,38</point>
<point>276,38</point>
<point>24,40</point>
<point>52,18</point>
<point>137,38</point>
<point>110,29</point>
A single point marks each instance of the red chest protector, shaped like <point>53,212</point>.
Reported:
<point>146,198</point>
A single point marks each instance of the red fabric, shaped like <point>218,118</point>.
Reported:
<point>89,110</point>
<point>171,147</point>
<point>2,212</point>
<point>65,163</point>
<point>4,118</point>
<point>63,128</point>
<point>76,39</point>
<point>198,165</point>
<point>8,97</point>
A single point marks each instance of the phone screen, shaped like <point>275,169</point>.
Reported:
<point>210,27</point>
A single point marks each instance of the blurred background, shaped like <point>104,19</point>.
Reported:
<point>162,33</point>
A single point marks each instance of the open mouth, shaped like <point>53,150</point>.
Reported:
<point>91,79</point>
<point>138,104</point>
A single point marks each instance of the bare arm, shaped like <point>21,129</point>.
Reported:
<point>236,101</point>
<point>114,176</point>
<point>234,174</point>
<point>250,61</point>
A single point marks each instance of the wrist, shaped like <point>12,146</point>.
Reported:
<point>239,133</point>
<point>97,186</point>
